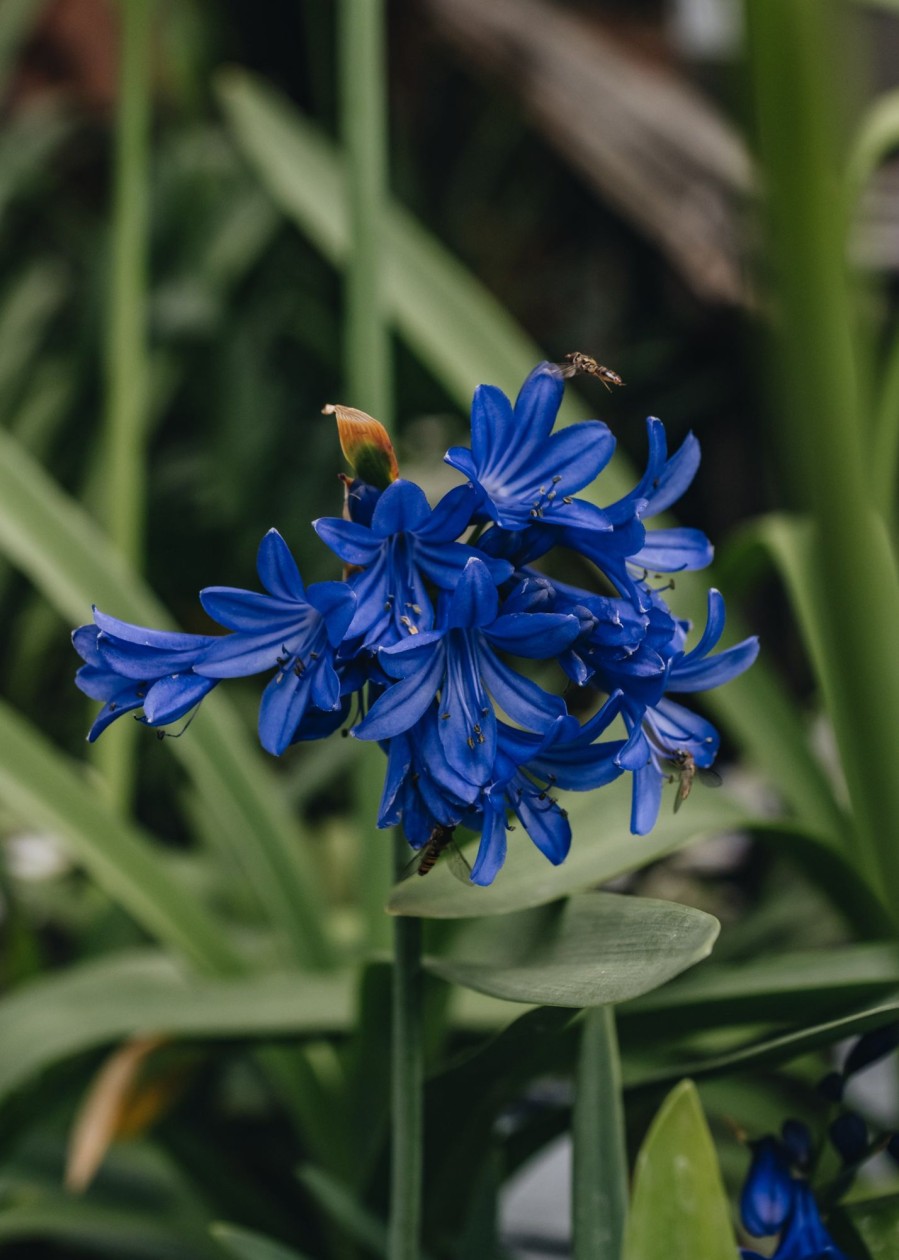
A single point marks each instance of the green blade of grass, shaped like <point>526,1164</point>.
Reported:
<point>44,788</point>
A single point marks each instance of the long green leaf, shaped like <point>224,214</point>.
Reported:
<point>44,788</point>
<point>140,992</point>
<point>779,1048</point>
<point>784,988</point>
<point>596,949</point>
<point>875,1222</point>
<point>47,535</point>
<point>243,1244</point>
<point>464,336</point>
<point>599,1154</point>
<point>679,1210</point>
<point>120,1231</point>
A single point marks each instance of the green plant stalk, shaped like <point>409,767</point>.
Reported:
<point>125,367</point>
<point>599,1180</point>
<point>363,104</point>
<point>795,56</point>
<point>363,107</point>
<point>406,1084</point>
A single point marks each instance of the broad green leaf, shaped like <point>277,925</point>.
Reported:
<point>602,849</point>
<point>779,1048</point>
<point>785,987</point>
<point>135,992</point>
<point>47,535</point>
<point>679,1210</point>
<point>593,950</point>
<point>243,1244</point>
<point>44,787</point>
<point>464,336</point>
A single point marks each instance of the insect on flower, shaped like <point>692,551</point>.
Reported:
<point>577,364</point>
<point>440,841</point>
<point>683,767</point>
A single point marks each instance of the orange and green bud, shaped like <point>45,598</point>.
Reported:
<point>365,445</point>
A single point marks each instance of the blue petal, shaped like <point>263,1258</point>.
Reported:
<point>238,655</point>
<point>170,698</point>
<point>545,823</point>
<point>402,704</point>
<point>679,472</point>
<point>353,543</point>
<point>336,602</point>
<point>714,626</point>
<point>402,508</point>
<point>166,640</point>
<point>677,728</point>
<point>492,849</point>
<point>714,671</point>
<point>132,660</point>
<point>277,568</point>
<point>325,687</point>
<point>475,601</point>
<point>452,515</point>
<point>674,551</point>
<point>538,403</point>
<point>537,635</point>
<point>521,699</point>
<point>113,709</point>
<point>467,723</point>
<point>282,707</point>
<point>578,514</point>
<point>769,1190</point>
<point>461,457</point>
<point>237,609</point>
<point>84,641</point>
<point>493,424</point>
<point>646,799</point>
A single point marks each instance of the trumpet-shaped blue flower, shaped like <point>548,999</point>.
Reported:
<point>131,667</point>
<point>291,630</point>
<point>458,663</point>
<point>407,546</point>
<point>526,472</point>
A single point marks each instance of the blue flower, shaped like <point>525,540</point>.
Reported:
<point>457,662</point>
<point>406,546</point>
<point>291,630</point>
<point>526,472</point>
<point>660,731</point>
<point>769,1189</point>
<point>131,667</point>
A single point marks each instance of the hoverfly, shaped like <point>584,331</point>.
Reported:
<point>440,841</point>
<point>577,364</point>
<point>682,766</point>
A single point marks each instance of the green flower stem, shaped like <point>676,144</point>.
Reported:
<point>125,367</point>
<point>599,1182</point>
<point>363,98</point>
<point>407,1079</point>
<point>798,62</point>
<point>363,101</point>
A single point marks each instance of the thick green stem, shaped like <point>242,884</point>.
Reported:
<point>363,97</point>
<point>797,60</point>
<point>599,1182</point>
<point>407,1077</point>
<point>125,352</point>
<point>363,100</point>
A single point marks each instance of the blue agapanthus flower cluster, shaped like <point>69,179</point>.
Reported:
<point>420,646</point>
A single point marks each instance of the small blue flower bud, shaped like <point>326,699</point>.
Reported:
<point>849,1136</point>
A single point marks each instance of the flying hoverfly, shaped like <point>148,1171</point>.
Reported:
<point>577,364</point>
<point>440,841</point>
<point>682,766</point>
